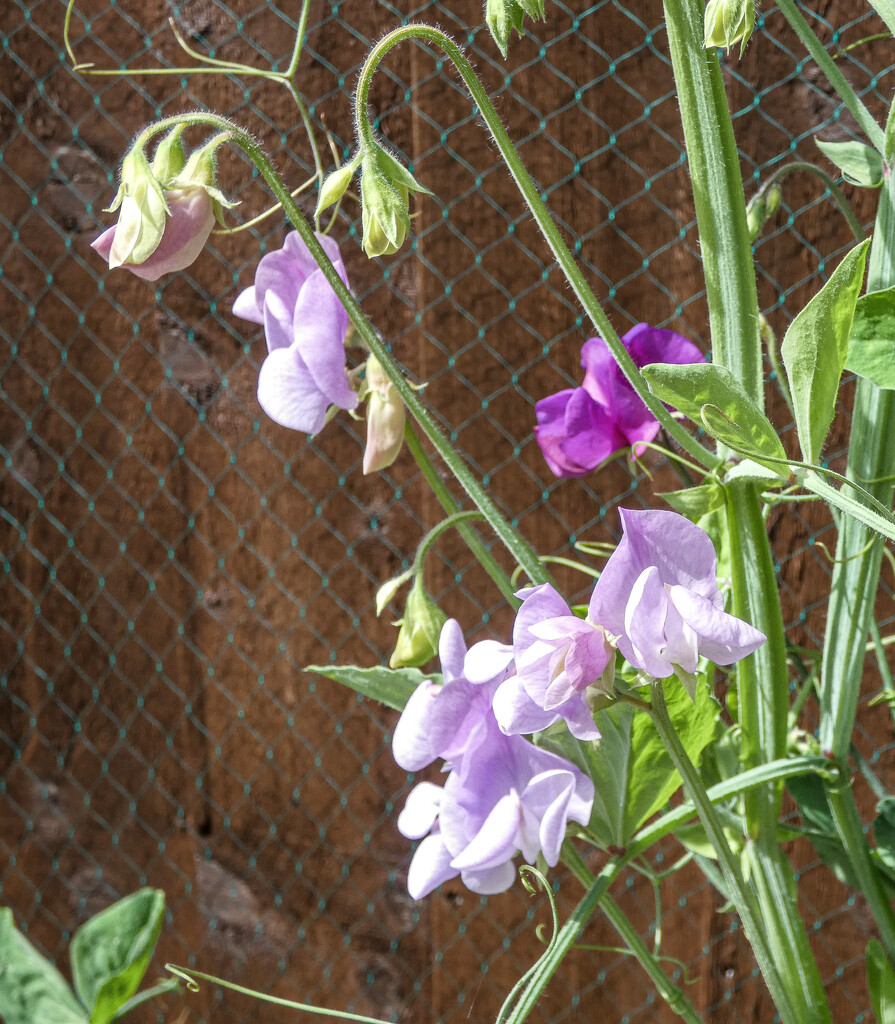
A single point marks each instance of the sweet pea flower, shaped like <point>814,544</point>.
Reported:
<point>186,227</point>
<point>659,595</point>
<point>166,210</point>
<point>304,323</point>
<point>503,795</point>
<point>558,657</point>
<point>581,427</point>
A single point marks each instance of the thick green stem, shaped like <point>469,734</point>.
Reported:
<point>515,543</point>
<point>539,212</point>
<point>718,198</point>
<point>774,927</point>
<point>834,76</point>
<point>855,583</point>
<point>473,541</point>
<point>777,959</point>
<point>648,960</point>
<point>762,678</point>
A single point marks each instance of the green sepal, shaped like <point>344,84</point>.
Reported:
<point>169,160</point>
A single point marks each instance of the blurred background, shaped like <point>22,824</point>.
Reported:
<point>172,559</point>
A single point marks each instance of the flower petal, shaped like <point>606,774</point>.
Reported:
<point>722,638</point>
<point>288,394</point>
<point>430,867</point>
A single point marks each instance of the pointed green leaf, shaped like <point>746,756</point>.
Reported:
<point>633,775</point>
<point>815,348</point>
<point>31,989</point>
<point>695,502</point>
<point>881,983</point>
<point>859,164</point>
<point>874,516</point>
<point>871,344</point>
<point>712,397</point>
<point>652,777</point>
<point>392,687</point>
<point>111,951</point>
<point>884,831</point>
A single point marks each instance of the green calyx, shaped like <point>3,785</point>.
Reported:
<point>385,192</point>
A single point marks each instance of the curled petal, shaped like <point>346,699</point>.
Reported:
<point>430,867</point>
<point>723,638</point>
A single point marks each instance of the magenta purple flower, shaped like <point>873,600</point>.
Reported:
<point>581,427</point>
<point>304,323</point>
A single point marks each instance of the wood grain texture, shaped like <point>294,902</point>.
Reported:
<point>174,559</point>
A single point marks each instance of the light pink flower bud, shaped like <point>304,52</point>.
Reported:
<point>385,420</point>
<point>186,229</point>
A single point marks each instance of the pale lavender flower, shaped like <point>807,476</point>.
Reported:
<point>557,656</point>
<point>659,595</point>
<point>581,427</point>
<point>187,225</point>
<point>503,795</point>
<point>304,323</point>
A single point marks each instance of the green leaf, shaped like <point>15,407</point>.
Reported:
<point>110,952</point>
<point>810,795</point>
<point>877,518</point>
<point>392,687</point>
<point>652,777</point>
<point>713,398</point>
<point>632,774</point>
<point>884,831</point>
<point>750,471</point>
<point>815,348</point>
<point>31,989</point>
<point>871,344</point>
<point>859,164</point>
<point>695,502</point>
<point>881,983</point>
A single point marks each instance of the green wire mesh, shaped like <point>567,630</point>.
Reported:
<point>172,560</point>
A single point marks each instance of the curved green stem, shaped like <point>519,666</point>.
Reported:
<point>781,972</point>
<point>845,207</point>
<point>835,77</point>
<point>518,547</point>
<point>648,960</point>
<point>536,206</point>
<point>473,541</point>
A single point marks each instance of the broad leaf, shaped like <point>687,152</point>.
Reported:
<point>860,164</point>
<point>633,775</point>
<point>652,778</point>
<point>884,831</point>
<point>871,344</point>
<point>696,502</point>
<point>31,989</point>
<point>713,398</point>
<point>390,686</point>
<point>110,952</point>
<point>815,348</point>
<point>881,983</point>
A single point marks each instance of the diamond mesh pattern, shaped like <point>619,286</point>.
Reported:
<point>172,560</point>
